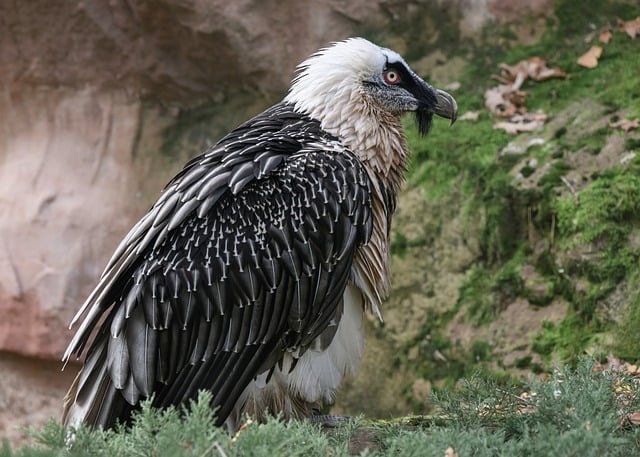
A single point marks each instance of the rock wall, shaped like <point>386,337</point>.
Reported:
<point>103,101</point>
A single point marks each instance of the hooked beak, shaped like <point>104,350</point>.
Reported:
<point>434,101</point>
<point>446,106</point>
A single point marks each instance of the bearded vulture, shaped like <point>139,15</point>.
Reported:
<point>250,275</point>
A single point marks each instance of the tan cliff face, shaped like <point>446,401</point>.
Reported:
<point>102,102</point>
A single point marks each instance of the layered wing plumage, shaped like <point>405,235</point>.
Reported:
<point>245,255</point>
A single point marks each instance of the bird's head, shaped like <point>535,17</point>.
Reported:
<point>356,71</point>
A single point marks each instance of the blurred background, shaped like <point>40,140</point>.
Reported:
<point>103,101</point>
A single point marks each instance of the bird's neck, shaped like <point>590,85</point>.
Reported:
<point>378,139</point>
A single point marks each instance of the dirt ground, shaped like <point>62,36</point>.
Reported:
<point>31,392</point>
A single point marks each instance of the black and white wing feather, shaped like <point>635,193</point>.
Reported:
<point>245,255</point>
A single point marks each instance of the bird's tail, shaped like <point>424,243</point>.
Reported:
<point>92,398</point>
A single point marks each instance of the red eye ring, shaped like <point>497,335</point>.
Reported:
<point>391,77</point>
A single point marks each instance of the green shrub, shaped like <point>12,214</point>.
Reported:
<point>572,412</point>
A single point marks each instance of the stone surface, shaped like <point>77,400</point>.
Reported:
<point>92,91</point>
<point>62,153</point>
<point>31,393</point>
<point>103,101</point>
<point>426,279</point>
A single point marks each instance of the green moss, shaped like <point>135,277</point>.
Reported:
<point>523,362</point>
<point>565,241</point>
<point>527,171</point>
<point>480,351</point>
<point>600,224</point>
<point>566,340</point>
<point>553,177</point>
<point>560,132</point>
<point>400,243</point>
<point>632,144</point>
<point>475,296</point>
<point>626,343</point>
<point>468,151</point>
<point>485,293</point>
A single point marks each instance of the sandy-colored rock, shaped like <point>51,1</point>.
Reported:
<point>67,195</point>
<point>172,50</point>
<point>512,329</point>
<point>103,101</point>
<point>31,393</point>
<point>426,279</point>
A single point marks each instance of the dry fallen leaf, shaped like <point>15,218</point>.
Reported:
<point>626,124</point>
<point>450,453</point>
<point>533,67</point>
<point>469,116</point>
<point>590,58</point>
<point>513,128</point>
<point>605,36</point>
<point>519,124</point>
<point>634,418</point>
<point>631,28</point>
<point>505,101</point>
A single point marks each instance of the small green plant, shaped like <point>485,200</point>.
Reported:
<point>480,351</point>
<point>566,340</point>
<point>573,412</point>
<point>578,411</point>
<point>485,292</point>
<point>626,342</point>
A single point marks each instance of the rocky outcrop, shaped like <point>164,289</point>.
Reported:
<point>103,101</point>
<point>93,94</point>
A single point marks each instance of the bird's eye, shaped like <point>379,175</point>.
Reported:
<point>391,77</point>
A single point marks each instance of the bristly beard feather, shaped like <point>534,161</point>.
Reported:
<point>424,118</point>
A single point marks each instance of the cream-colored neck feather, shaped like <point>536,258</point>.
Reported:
<point>329,87</point>
<point>378,139</point>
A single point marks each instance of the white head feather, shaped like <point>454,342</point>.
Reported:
<point>328,87</point>
<point>333,76</point>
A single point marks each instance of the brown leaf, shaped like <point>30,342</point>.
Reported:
<point>626,124</point>
<point>522,123</point>
<point>505,101</point>
<point>590,58</point>
<point>469,116</point>
<point>631,28</point>
<point>534,67</point>
<point>450,452</point>
<point>605,36</point>
<point>634,418</point>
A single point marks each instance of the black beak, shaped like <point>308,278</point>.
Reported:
<point>434,101</point>
<point>446,106</point>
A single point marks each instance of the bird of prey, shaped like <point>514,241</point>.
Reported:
<point>250,275</point>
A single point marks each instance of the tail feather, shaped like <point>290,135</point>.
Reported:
<point>93,398</point>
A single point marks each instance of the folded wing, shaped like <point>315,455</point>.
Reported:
<point>245,255</point>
